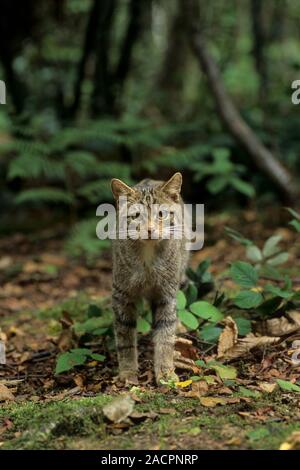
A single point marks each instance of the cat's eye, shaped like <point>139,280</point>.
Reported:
<point>163,214</point>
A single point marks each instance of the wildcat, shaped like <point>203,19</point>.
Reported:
<point>152,268</point>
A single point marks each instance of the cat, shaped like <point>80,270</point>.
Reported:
<point>152,268</point>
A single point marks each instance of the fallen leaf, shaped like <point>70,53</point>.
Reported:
<point>167,411</point>
<point>5,393</point>
<point>267,387</point>
<point>141,416</point>
<point>229,336</point>
<point>211,402</point>
<point>280,326</point>
<point>245,345</point>
<point>184,384</point>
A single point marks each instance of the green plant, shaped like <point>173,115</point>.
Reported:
<point>75,357</point>
<point>255,294</point>
<point>295,222</point>
<point>221,173</point>
<point>201,281</point>
<point>199,315</point>
<point>269,256</point>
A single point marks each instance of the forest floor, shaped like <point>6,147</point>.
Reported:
<point>43,292</point>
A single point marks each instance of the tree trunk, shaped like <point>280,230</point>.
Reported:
<point>134,27</point>
<point>88,47</point>
<point>258,50</point>
<point>170,80</point>
<point>230,115</point>
<point>102,94</point>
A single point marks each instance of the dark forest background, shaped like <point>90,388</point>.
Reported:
<point>132,88</point>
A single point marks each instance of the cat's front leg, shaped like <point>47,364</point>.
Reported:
<point>125,335</point>
<point>164,338</point>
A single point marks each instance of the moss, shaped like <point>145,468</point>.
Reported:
<point>79,424</point>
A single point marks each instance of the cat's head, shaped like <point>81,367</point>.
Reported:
<point>151,210</point>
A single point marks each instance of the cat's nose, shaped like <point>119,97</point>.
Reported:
<point>150,230</point>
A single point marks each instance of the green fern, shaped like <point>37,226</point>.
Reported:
<point>83,240</point>
<point>42,195</point>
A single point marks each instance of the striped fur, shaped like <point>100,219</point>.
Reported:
<point>152,269</point>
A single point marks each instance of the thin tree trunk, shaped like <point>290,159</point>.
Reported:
<point>102,94</point>
<point>135,15</point>
<point>258,50</point>
<point>229,113</point>
<point>171,77</point>
<point>88,47</point>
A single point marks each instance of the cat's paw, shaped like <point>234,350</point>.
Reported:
<point>166,377</point>
<point>129,377</point>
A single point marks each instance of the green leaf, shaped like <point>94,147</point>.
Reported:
<point>143,326</point>
<point>244,274</point>
<point>180,300</point>
<point>68,360</point>
<point>243,187</point>
<point>295,224</point>
<point>97,357</point>
<point>254,254</point>
<point>270,247</point>
<point>188,319</point>
<point>237,236</point>
<point>248,299</point>
<point>243,325</point>
<point>42,195</point>
<point>92,324</point>
<point>246,392</point>
<point>278,292</point>
<point>288,386</point>
<point>94,311</point>
<point>216,184</point>
<point>206,311</point>
<point>268,307</point>
<point>224,372</point>
<point>191,293</point>
<point>210,333</point>
<point>293,213</point>
<point>279,259</point>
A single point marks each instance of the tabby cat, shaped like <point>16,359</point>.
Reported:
<point>152,268</point>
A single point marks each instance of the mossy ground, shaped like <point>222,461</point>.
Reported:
<point>80,424</point>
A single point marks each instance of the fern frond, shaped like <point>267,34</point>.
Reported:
<point>83,240</point>
<point>42,195</point>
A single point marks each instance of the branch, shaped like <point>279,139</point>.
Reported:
<point>229,113</point>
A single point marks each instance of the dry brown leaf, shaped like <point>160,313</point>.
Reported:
<point>228,338</point>
<point>211,402</point>
<point>248,343</point>
<point>5,393</point>
<point>198,390</point>
<point>280,326</point>
<point>267,387</point>
<point>167,411</point>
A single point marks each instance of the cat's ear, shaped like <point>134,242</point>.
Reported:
<point>173,186</point>
<point>120,189</point>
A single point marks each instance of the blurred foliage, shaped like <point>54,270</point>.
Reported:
<point>60,153</point>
